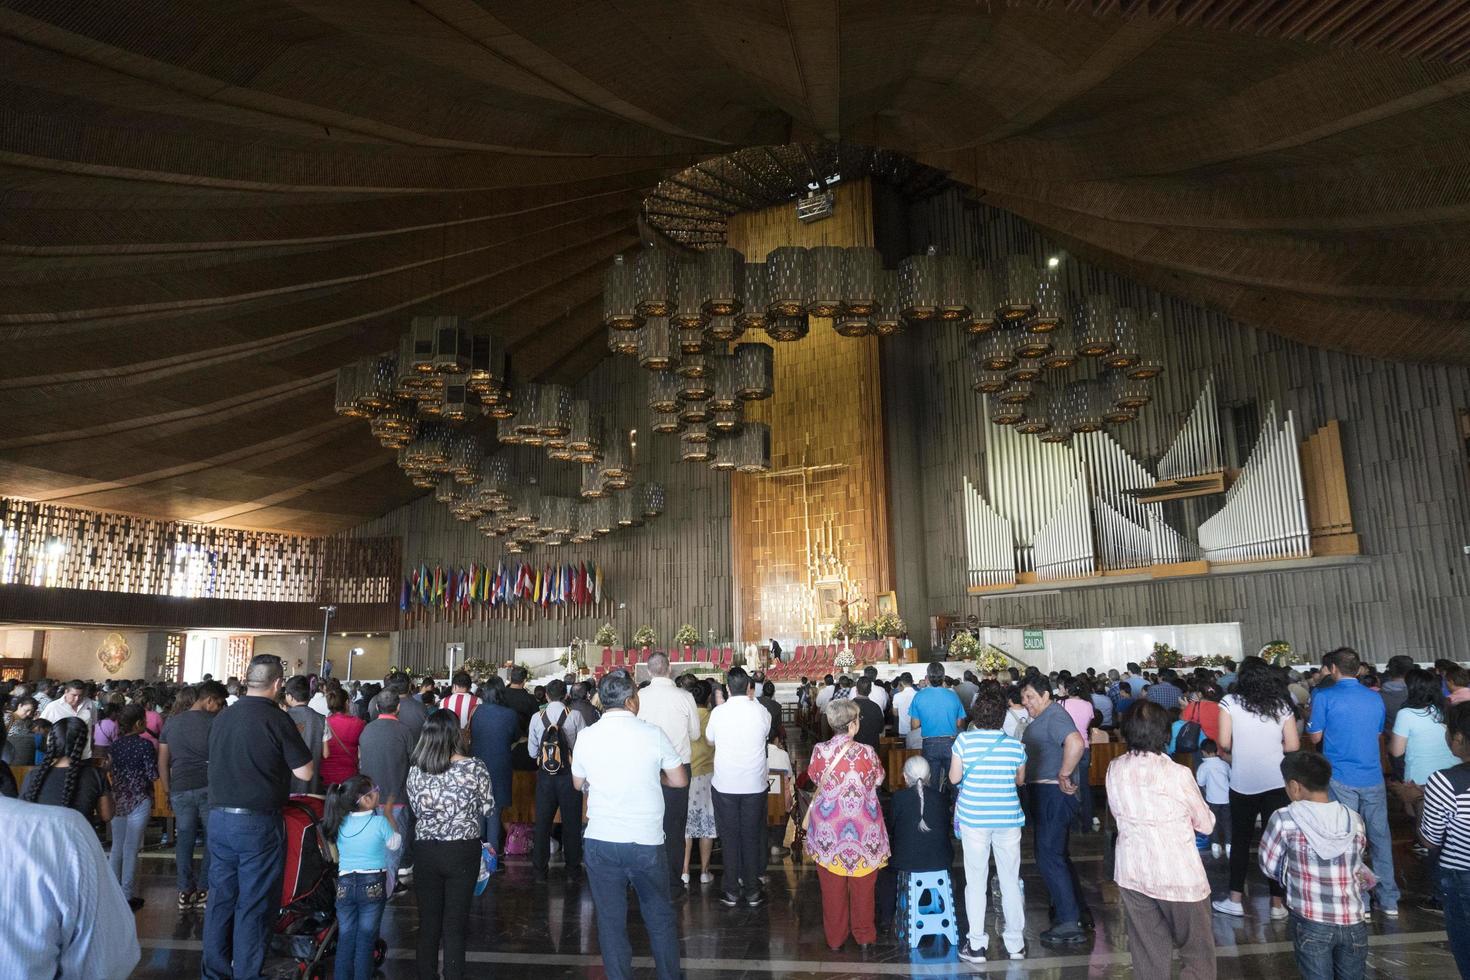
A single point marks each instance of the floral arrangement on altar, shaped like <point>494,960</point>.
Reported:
<point>887,624</point>
<point>964,646</point>
<point>479,669</point>
<point>686,636</point>
<point>1164,656</point>
<point>644,636</point>
<point>865,629</point>
<point>605,636</point>
<point>845,660</point>
<point>1279,653</point>
<point>992,661</point>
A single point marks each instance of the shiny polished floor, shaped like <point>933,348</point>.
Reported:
<point>522,929</point>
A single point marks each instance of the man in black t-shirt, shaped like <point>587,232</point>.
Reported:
<point>183,767</point>
<point>254,750</point>
<point>524,704</point>
<point>870,716</point>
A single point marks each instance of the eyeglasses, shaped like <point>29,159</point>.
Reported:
<point>370,792</point>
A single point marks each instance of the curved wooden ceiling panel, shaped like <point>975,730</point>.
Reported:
<point>206,207</point>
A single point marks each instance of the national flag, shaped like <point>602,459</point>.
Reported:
<point>403,595</point>
<point>582,583</point>
<point>597,585</point>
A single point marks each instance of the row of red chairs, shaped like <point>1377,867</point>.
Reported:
<point>721,657</point>
<point>815,661</point>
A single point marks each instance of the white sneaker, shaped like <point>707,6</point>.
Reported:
<point>1227,850</point>
<point>555,846</point>
<point>1096,824</point>
<point>684,878</point>
<point>1279,912</point>
<point>1216,850</point>
<point>706,878</point>
<point>1019,956</point>
<point>1391,913</point>
<point>1228,907</point>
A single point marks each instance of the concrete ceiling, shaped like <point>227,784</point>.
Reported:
<point>207,206</point>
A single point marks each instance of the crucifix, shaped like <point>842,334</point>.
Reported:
<point>805,470</point>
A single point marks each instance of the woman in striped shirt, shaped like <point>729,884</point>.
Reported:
<point>1445,826</point>
<point>987,765</point>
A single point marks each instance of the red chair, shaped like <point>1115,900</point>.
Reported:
<point>617,658</point>
<point>607,656</point>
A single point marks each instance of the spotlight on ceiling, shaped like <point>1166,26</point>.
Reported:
<point>815,206</point>
<point>1053,262</point>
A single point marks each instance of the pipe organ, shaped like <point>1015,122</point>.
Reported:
<point>1064,547</point>
<point>990,542</point>
<point>1265,512</point>
<point>1056,511</point>
<point>1196,449</point>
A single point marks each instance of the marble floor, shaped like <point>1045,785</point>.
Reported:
<point>519,928</point>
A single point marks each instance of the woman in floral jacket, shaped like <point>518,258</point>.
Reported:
<point>845,834</point>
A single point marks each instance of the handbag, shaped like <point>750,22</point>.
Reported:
<point>489,862</point>
<point>824,782</point>
<point>981,758</point>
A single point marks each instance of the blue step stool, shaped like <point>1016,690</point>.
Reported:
<point>926,908</point>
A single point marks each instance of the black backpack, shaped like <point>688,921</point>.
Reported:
<point>554,754</point>
<point>1188,738</point>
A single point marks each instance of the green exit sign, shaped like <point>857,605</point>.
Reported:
<point>1033,640</point>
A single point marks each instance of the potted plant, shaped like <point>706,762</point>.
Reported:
<point>1278,653</point>
<point>992,661</point>
<point>605,636</point>
<point>887,624</point>
<point>1164,656</point>
<point>645,637</point>
<point>964,646</point>
<point>479,670</point>
<point>686,636</point>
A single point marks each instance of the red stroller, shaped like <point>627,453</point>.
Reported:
<point>306,926</point>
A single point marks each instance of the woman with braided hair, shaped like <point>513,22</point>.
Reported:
<point>64,778</point>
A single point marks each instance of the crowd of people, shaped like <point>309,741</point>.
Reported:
<point>635,784</point>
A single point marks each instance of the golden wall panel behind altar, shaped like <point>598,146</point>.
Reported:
<point>815,527</point>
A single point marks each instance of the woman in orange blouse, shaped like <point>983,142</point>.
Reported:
<point>845,834</point>
<point>1161,880</point>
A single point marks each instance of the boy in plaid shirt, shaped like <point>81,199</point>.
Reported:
<point>1314,848</point>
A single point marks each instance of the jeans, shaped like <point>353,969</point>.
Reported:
<point>445,873</point>
<point>491,829</point>
<point>1221,834</point>
<point>553,793</point>
<point>1328,952</point>
<point>1244,808</point>
<point>611,868</point>
<point>401,817</point>
<point>937,752</point>
<point>1054,811</point>
<point>127,841</point>
<point>1454,892</point>
<point>247,853</point>
<point>191,813</point>
<point>676,818</point>
<point>361,899</point>
<point>740,819</point>
<point>1371,802</point>
<point>1005,842</point>
<point>1084,790</point>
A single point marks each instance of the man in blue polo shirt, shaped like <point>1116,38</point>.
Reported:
<point>937,713</point>
<point>1346,720</point>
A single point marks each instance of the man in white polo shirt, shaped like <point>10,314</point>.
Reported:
<point>73,704</point>
<point>619,763</point>
<point>738,729</point>
<point>672,709</point>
